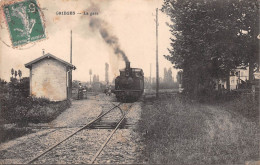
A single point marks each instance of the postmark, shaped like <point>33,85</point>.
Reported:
<point>24,22</point>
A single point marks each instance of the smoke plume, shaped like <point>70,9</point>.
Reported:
<point>111,40</point>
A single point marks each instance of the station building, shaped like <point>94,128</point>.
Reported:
<point>49,77</point>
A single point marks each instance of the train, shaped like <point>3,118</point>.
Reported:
<point>129,85</point>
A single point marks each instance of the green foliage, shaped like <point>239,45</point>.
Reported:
<point>211,37</point>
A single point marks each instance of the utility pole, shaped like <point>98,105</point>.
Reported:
<point>71,46</point>
<point>150,81</point>
<point>70,71</point>
<point>157,65</point>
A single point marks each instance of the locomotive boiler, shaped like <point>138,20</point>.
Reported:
<point>129,85</point>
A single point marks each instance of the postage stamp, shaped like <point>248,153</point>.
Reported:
<point>24,22</point>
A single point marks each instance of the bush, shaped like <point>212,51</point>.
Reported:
<point>12,133</point>
<point>16,107</point>
<point>24,110</point>
<point>46,113</point>
<point>19,87</point>
<point>243,105</point>
<point>164,85</point>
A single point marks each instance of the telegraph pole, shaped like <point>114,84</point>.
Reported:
<point>70,72</point>
<point>71,46</point>
<point>157,65</point>
<point>150,81</point>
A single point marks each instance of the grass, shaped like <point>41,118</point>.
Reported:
<point>36,110</point>
<point>20,110</point>
<point>179,131</point>
<point>243,105</point>
<point>12,133</point>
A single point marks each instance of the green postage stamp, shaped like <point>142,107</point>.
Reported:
<point>24,22</point>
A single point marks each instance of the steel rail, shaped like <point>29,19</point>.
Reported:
<point>80,129</point>
<point>109,137</point>
<point>122,112</point>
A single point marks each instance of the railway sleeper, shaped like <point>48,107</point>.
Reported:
<point>110,125</point>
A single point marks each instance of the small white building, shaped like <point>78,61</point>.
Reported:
<point>49,77</point>
<point>240,75</point>
<point>236,77</point>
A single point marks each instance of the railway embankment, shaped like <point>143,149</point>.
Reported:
<point>180,131</point>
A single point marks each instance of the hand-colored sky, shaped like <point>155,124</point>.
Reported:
<point>132,22</point>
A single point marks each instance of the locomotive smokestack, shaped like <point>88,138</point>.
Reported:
<point>127,65</point>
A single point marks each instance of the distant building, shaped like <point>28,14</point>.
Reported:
<point>49,77</point>
<point>237,77</point>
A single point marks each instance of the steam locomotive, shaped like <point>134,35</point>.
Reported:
<point>129,85</point>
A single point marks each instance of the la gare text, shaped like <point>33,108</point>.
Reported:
<point>76,13</point>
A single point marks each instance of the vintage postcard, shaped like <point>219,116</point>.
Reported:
<point>129,82</point>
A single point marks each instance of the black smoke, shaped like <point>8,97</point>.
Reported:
<point>111,40</point>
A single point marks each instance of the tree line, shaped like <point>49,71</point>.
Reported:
<point>211,38</point>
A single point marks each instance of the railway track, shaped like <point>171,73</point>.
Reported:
<point>96,123</point>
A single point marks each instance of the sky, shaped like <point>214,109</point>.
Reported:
<point>130,24</point>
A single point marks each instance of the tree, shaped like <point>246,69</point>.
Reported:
<point>12,72</point>
<point>179,77</point>
<point>165,75</point>
<point>20,73</point>
<point>248,34</point>
<point>90,73</point>
<point>170,79</point>
<point>209,39</point>
<point>15,74</point>
<point>106,73</point>
<point>94,78</point>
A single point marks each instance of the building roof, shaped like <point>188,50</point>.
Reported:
<point>48,55</point>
